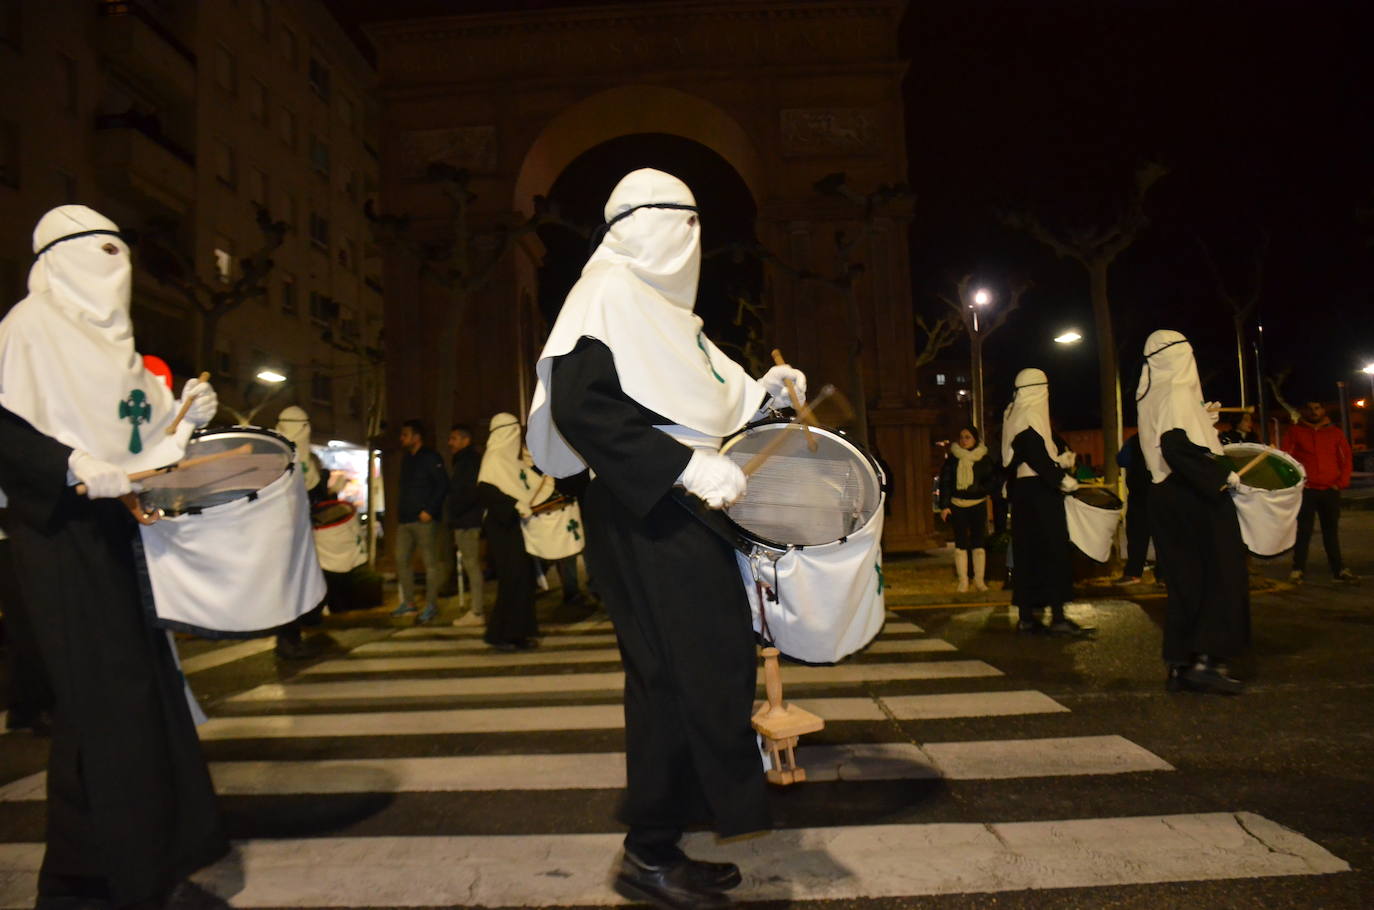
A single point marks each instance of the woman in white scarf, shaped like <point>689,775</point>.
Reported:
<point>1192,520</point>
<point>967,479</point>
<point>1041,551</point>
<point>505,486</point>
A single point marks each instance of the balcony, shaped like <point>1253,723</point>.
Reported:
<point>139,45</point>
<point>136,163</point>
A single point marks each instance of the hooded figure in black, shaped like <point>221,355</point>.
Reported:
<point>630,387</point>
<point>1192,520</point>
<point>131,810</point>
<point>1042,554</point>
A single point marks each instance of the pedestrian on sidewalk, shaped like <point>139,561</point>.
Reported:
<point>465,517</point>
<point>630,387</point>
<point>505,486</point>
<point>1193,521</point>
<point>967,478</point>
<point>1324,453</point>
<point>424,484</point>
<point>131,811</point>
<point>1243,430</point>
<point>1038,466</point>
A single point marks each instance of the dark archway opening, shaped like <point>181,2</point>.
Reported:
<point>727,217</point>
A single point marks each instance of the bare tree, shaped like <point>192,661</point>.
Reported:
<point>173,267</point>
<point>939,334</point>
<point>460,261</point>
<point>1096,248</point>
<point>1241,304</point>
<point>966,311</point>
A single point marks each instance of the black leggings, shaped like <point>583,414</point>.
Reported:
<point>970,525</point>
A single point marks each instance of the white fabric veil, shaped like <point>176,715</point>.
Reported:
<point>294,423</point>
<point>1169,396</point>
<point>67,359</point>
<point>636,296</point>
<point>1030,407</point>
<point>502,466</point>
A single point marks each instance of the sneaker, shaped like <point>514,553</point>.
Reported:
<point>1345,576</point>
<point>429,612</point>
<point>1295,577</point>
<point>404,610</point>
<point>470,618</point>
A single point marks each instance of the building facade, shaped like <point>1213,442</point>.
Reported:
<point>180,120</point>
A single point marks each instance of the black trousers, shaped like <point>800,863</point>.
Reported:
<point>1137,536</point>
<point>970,524</point>
<point>30,691</point>
<point>1326,505</point>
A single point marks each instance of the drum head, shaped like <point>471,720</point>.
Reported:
<point>225,479</point>
<point>331,512</point>
<point>1272,473</point>
<point>1097,497</point>
<point>799,497</point>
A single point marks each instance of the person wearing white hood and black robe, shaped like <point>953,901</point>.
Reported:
<point>1192,520</point>
<point>505,486</point>
<point>1042,575</point>
<point>630,387</point>
<point>294,423</point>
<point>131,809</point>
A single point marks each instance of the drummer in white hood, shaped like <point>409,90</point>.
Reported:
<point>131,810</point>
<point>1192,520</point>
<point>629,386</point>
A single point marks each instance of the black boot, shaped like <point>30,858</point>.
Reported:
<point>1028,622</point>
<point>675,885</point>
<point>1209,676</point>
<point>1062,625</point>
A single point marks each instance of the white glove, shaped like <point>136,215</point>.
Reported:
<point>1233,481</point>
<point>717,480</point>
<point>206,405</point>
<point>102,479</point>
<point>522,508</point>
<point>1068,484</point>
<point>773,383</point>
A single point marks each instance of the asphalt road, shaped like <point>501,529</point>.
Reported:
<point>388,784</point>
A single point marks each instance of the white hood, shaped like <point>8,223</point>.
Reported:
<point>294,423</point>
<point>1169,396</point>
<point>502,464</point>
<point>636,296</point>
<point>1030,407</point>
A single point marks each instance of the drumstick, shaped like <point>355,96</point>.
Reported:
<point>796,401</point>
<point>1250,464</point>
<point>1249,409</point>
<point>185,406</point>
<point>771,449</point>
<point>135,477</point>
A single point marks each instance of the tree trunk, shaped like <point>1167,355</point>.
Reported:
<point>1109,392</point>
<point>1239,322</point>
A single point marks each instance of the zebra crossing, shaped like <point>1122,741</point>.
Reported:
<point>425,770</point>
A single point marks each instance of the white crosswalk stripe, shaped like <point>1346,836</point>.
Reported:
<point>360,725</point>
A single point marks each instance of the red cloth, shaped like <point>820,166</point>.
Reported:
<point>1323,452</point>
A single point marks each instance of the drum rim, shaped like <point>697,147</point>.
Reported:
<point>758,540</point>
<point>1272,452</point>
<point>1120,503</point>
<point>289,473</point>
<point>205,432</point>
<point>333,524</point>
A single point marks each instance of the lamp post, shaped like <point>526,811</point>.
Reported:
<point>981,298</point>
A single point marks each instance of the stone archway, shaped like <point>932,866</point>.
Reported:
<point>786,91</point>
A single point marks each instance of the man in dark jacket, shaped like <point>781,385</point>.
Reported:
<point>465,516</point>
<point>424,483</point>
<point>1324,453</point>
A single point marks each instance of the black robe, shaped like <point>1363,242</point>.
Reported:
<point>1041,551</point>
<point>511,620</point>
<point>1197,536</point>
<point>673,591</point>
<point>131,810</point>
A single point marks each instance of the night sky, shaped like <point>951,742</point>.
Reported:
<point>1261,112</point>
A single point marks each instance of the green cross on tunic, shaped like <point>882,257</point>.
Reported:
<point>877,567</point>
<point>572,528</point>
<point>136,410</point>
<point>701,343</point>
<point>523,479</point>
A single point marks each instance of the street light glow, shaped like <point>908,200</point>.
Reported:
<point>982,297</point>
<point>1069,337</point>
<point>1368,368</point>
<point>272,376</point>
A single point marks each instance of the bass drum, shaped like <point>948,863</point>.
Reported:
<point>812,524</point>
<point>1094,514</point>
<point>1269,496</point>
<point>234,558</point>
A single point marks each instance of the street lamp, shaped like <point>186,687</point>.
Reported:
<point>981,298</point>
<point>1070,336</point>
<point>270,376</point>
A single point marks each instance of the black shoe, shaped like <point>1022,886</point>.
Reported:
<point>714,876</point>
<point>1174,681</point>
<point>1209,677</point>
<point>1032,626</point>
<point>1068,628</point>
<point>296,649</point>
<point>505,645</point>
<point>674,885</point>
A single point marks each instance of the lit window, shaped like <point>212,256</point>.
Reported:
<point>224,259</point>
<point>939,378</point>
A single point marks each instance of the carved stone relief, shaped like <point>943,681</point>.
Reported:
<point>829,131</point>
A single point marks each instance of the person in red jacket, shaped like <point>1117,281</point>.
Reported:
<point>1322,449</point>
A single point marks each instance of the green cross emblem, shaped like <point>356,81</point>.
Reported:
<point>136,410</point>
<point>878,567</point>
<point>524,479</point>
<point>701,343</point>
<point>572,528</point>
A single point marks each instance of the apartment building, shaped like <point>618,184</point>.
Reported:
<point>181,120</point>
